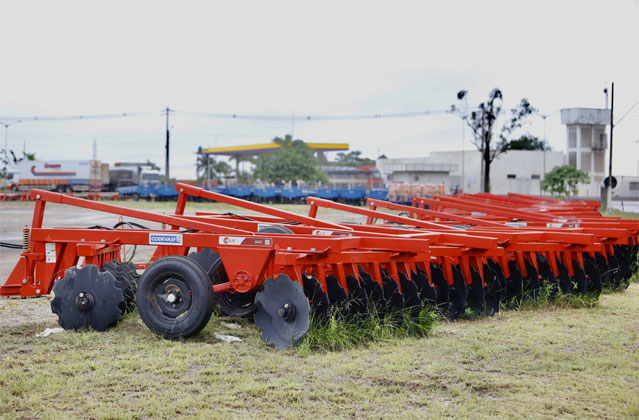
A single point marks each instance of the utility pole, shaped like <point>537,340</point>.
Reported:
<point>166,170</point>
<point>544,116</point>
<point>463,95</point>
<point>463,182</point>
<point>609,188</point>
<point>482,185</point>
<point>6,140</point>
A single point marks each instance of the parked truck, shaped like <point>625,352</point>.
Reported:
<point>60,175</point>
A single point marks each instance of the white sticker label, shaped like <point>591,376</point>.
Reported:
<point>320,232</point>
<point>517,224</point>
<point>243,240</point>
<point>165,239</point>
<point>554,225</point>
<point>50,252</point>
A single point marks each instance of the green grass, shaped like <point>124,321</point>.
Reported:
<point>545,363</point>
<point>623,215</point>
<point>336,332</point>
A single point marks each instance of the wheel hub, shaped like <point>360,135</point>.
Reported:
<point>287,312</point>
<point>173,297</point>
<point>84,301</point>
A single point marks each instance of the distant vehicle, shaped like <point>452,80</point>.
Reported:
<point>59,175</point>
<point>124,174</point>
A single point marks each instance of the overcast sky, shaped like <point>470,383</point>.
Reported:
<point>305,58</point>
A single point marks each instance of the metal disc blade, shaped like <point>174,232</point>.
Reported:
<point>545,271</point>
<point>579,278</point>
<point>440,281</point>
<point>615,272</point>
<point>103,299</point>
<point>357,300</point>
<point>594,278</point>
<point>501,290</point>
<point>317,298</point>
<point>624,262</point>
<point>532,285</point>
<point>391,292</point>
<point>458,294</point>
<point>515,283</point>
<point>126,277</point>
<point>372,288</point>
<point>565,284</point>
<point>336,294</point>
<point>427,293</point>
<point>493,289</point>
<point>476,293</point>
<point>412,302</point>
<point>604,269</point>
<point>281,328</point>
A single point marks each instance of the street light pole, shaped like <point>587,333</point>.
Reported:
<point>609,188</point>
<point>463,95</point>
<point>544,116</point>
<point>6,141</point>
<point>166,169</point>
<point>463,182</point>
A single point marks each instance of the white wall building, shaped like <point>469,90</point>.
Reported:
<point>586,145</point>
<point>519,171</point>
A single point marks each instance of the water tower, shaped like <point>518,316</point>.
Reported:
<point>586,144</point>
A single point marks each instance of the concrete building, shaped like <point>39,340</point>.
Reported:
<point>586,145</point>
<point>522,171</point>
<point>519,171</point>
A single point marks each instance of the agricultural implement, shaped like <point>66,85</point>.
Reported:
<point>454,254</point>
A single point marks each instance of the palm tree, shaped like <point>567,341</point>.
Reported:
<point>239,159</point>
<point>217,169</point>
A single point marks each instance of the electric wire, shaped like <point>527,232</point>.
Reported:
<point>627,112</point>
<point>208,115</point>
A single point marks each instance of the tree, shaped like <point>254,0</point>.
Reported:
<point>482,122</point>
<point>293,162</point>
<point>526,142</point>
<point>6,160</point>
<point>353,158</point>
<point>563,180</point>
<point>217,169</point>
<point>239,159</point>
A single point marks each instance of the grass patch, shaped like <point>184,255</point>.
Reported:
<point>554,362</point>
<point>337,332</point>
<point>547,296</point>
<point>622,214</point>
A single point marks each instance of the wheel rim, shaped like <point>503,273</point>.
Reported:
<point>172,295</point>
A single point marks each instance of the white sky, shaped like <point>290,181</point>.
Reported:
<point>307,58</point>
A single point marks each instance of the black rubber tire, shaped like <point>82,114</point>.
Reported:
<point>197,311</point>
<point>231,304</point>
<point>282,230</point>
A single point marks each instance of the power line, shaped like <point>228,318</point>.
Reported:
<point>297,117</point>
<point>256,117</point>
<point>78,117</point>
<point>627,112</point>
